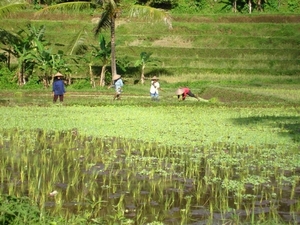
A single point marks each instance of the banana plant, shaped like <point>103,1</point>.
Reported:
<point>103,52</point>
<point>142,62</point>
<point>48,63</point>
<point>42,58</point>
<point>22,45</point>
<point>24,54</point>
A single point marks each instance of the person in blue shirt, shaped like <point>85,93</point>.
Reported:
<point>58,88</point>
<point>118,84</point>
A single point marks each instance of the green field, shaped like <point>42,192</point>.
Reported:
<point>140,164</point>
<point>231,158</point>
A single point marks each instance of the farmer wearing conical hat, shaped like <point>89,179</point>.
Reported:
<point>183,92</point>
<point>58,88</point>
<point>154,88</point>
<point>118,84</point>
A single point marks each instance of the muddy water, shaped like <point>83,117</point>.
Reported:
<point>113,180</point>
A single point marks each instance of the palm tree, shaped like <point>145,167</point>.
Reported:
<point>144,59</point>
<point>111,11</point>
<point>108,20</point>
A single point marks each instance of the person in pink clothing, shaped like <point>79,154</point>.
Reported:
<point>183,92</point>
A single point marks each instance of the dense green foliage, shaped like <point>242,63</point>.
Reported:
<point>14,210</point>
<point>196,6</point>
<point>250,46</point>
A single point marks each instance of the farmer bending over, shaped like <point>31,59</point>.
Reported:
<point>183,92</point>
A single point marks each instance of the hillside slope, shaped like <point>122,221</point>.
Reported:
<point>254,45</point>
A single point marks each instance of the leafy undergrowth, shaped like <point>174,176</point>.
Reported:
<point>16,210</point>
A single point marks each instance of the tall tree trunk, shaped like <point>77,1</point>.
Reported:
<point>102,76</point>
<point>113,46</point>
<point>143,74</point>
<point>45,80</point>
<point>23,73</point>
<point>234,6</point>
<point>250,6</point>
<point>68,79</point>
<point>8,60</point>
<point>92,79</point>
<point>20,73</point>
<point>259,8</point>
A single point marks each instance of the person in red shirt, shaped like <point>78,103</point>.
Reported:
<point>183,92</point>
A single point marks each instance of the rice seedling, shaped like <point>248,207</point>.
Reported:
<point>223,171</point>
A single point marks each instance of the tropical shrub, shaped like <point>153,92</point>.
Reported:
<point>186,6</point>
<point>165,4</point>
<point>81,84</point>
<point>15,210</point>
<point>6,79</point>
<point>293,5</point>
<point>33,83</point>
<point>271,5</point>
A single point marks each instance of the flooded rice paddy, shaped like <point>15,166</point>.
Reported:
<point>114,179</point>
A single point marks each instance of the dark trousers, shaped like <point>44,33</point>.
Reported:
<point>191,94</point>
<point>61,98</point>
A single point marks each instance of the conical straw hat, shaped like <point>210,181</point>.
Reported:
<point>58,74</point>
<point>179,91</point>
<point>116,77</point>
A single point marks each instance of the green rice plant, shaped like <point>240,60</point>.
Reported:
<point>213,169</point>
<point>169,202</point>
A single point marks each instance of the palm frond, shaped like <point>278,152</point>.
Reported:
<point>78,42</point>
<point>113,4</point>
<point>151,14</point>
<point>64,7</point>
<point>104,22</point>
<point>7,37</point>
<point>148,13</point>
<point>11,8</point>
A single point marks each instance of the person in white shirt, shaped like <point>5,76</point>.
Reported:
<point>154,89</point>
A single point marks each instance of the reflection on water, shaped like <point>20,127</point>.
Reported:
<point>119,179</point>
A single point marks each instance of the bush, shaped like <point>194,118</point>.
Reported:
<point>33,83</point>
<point>82,84</point>
<point>6,81</point>
<point>15,210</point>
<point>293,5</point>
<point>164,4</point>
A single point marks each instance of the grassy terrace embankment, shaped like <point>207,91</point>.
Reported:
<point>235,44</point>
<point>240,58</point>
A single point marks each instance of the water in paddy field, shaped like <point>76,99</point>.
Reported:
<point>129,180</point>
